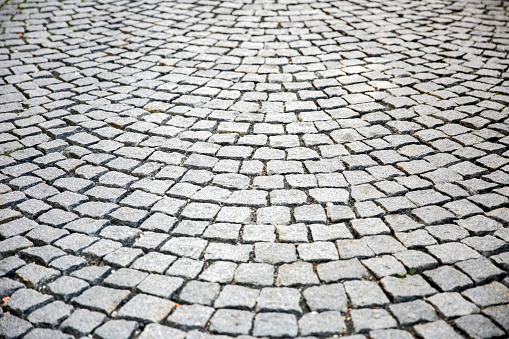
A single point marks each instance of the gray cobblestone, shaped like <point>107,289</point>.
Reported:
<point>413,312</point>
<point>200,152</point>
<point>372,319</point>
<point>190,316</point>
<point>24,301</point>
<point>452,304</point>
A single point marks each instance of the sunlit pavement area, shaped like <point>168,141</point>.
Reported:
<point>214,169</point>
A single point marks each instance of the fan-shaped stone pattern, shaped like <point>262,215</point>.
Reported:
<point>214,169</point>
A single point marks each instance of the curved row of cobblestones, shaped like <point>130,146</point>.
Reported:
<point>213,169</point>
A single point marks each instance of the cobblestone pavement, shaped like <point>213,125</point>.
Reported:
<point>213,169</point>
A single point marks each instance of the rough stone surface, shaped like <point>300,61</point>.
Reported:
<point>254,169</point>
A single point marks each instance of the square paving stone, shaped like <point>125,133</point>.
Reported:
<point>43,255</point>
<point>296,274</point>
<point>240,215</point>
<point>296,233</point>
<point>87,226</point>
<point>77,185</point>
<point>160,285</point>
<point>50,315</point>
<point>479,224</point>
<point>390,334</point>
<point>128,216</point>
<point>370,226</point>
<point>452,252</point>
<point>452,305</point>
<point>449,279</point>
<point>237,297</point>
<point>365,320</point>
<point>342,270</point>
<point>231,322</point>
<point>326,323</point>
<point>67,200</point>
<point>501,260</point>
<point>102,299</point>
<point>190,228</point>
<point>413,312</point>
<point>139,199</point>
<point>402,223</point>
<point>9,286</point>
<point>46,333</point>
<point>407,288</point>
<point>383,244</point>
<point>123,257</point>
<point>431,215</point>
<point>384,266</point>
<point>158,222</point>
<point>219,271</point>
<point>326,298</point>
<point>155,331</point>
<point>436,329</point>
<point>235,253</point>
<point>258,233</point>
<point>355,248</point>
<point>17,227</point>
<point>10,264</point>
<point>116,329</point>
<point>310,214</point>
<point>95,209</point>
<point>416,239</point>
<point>189,317</point>
<point>279,215</point>
<point>275,253</point>
<point>116,179</point>
<point>154,262</point>
<point>255,274</point>
<point>24,301</point>
<point>280,299</point>
<point>329,195</point>
<point>426,197</point>
<point>318,251</point>
<point>185,267</point>
<point>198,292</point>
<point>275,325</point>
<point>169,206</point>
<point>200,211</point>
<point>329,232</point>
<point>75,243</point>
<point>82,322</point>
<point>35,276</point>
<point>123,234</point>
<point>33,207</point>
<point>480,270</point>
<point>13,327</point>
<point>66,288</point>
<point>488,295</point>
<point>337,213</point>
<point>92,274</point>
<point>125,278</point>
<point>44,234</point>
<point>14,244</point>
<point>185,247</point>
<point>499,314</point>
<point>448,232</point>
<point>478,326</point>
<point>106,194</point>
<point>487,245</point>
<point>365,293</point>
<point>416,261</point>
<point>223,232</point>
<point>146,308</point>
